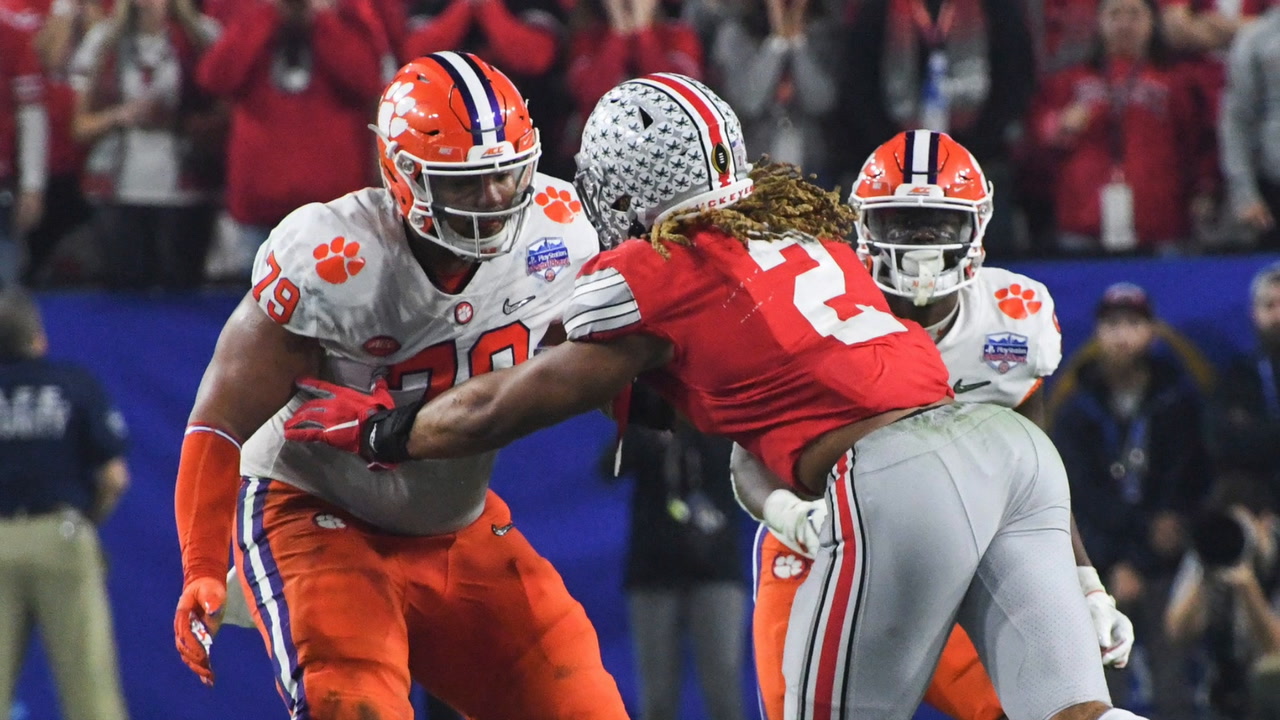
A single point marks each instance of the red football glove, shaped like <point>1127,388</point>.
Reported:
<point>196,621</point>
<point>339,416</point>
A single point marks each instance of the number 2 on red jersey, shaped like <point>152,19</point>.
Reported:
<point>821,291</point>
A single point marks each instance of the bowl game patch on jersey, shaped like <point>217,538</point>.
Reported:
<point>547,257</point>
<point>1003,351</point>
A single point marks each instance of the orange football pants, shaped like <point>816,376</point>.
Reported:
<point>350,614</point>
<point>960,686</point>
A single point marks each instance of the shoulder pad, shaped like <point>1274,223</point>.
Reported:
<point>1028,302</point>
<point>312,264</point>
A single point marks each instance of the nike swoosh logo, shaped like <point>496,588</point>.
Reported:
<point>509,307</point>
<point>500,531</point>
<point>960,387</point>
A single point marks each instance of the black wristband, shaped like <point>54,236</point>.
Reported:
<point>386,435</point>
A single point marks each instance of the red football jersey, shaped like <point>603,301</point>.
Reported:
<point>774,345</point>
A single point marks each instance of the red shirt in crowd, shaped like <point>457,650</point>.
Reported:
<point>21,83</point>
<point>65,156</point>
<point>512,42</point>
<point>1069,29</point>
<point>600,58</point>
<point>1158,134</point>
<point>1246,9</point>
<point>291,144</point>
<point>394,21</point>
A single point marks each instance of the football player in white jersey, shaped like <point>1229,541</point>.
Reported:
<point>365,578</point>
<point>920,227</point>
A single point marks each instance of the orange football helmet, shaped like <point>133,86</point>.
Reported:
<point>458,153</point>
<point>923,205</point>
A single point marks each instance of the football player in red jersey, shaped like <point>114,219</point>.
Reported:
<point>923,205</point>
<point>750,313</point>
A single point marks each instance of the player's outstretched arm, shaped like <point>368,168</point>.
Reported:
<point>491,410</point>
<point>481,414</point>
<point>250,377</point>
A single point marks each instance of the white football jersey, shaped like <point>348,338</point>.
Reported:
<point>343,272</point>
<point>1005,339</point>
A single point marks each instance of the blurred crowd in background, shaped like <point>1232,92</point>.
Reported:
<point>178,133</point>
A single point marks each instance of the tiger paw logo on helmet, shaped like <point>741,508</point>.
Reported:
<point>559,205</point>
<point>396,101</point>
<point>338,260</point>
<point>1018,302</point>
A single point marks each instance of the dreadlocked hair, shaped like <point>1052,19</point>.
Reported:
<point>784,202</point>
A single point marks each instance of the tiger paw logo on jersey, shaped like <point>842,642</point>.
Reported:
<point>559,205</point>
<point>788,567</point>
<point>463,312</point>
<point>338,260</point>
<point>1017,302</point>
<point>396,102</point>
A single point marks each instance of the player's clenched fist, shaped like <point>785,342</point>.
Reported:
<point>367,425</point>
<point>797,523</point>
<point>195,622</point>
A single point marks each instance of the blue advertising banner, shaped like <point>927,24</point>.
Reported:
<point>150,352</point>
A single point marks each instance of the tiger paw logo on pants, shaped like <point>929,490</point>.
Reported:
<point>788,567</point>
<point>328,521</point>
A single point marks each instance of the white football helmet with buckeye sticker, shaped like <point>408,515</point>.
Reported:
<point>656,147</point>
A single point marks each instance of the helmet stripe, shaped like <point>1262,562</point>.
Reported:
<point>922,157</point>
<point>699,123</point>
<point>934,140</point>
<point>703,112</point>
<point>909,156</point>
<point>489,94</point>
<point>477,95</point>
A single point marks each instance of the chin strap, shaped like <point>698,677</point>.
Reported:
<point>925,266</point>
